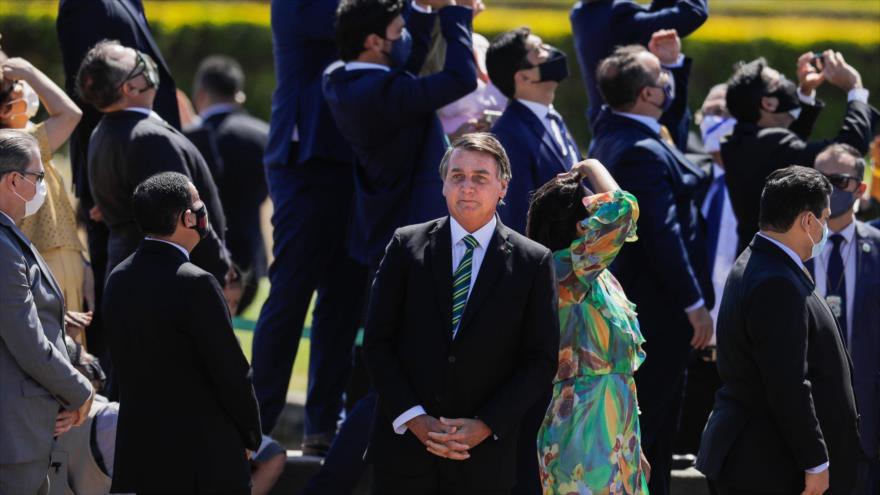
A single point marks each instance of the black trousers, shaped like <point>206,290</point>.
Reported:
<point>442,481</point>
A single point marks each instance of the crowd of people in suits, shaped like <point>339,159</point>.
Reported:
<point>532,321</point>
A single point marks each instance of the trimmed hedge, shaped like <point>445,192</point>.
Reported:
<point>251,45</point>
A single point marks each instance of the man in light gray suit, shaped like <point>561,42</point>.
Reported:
<point>41,394</point>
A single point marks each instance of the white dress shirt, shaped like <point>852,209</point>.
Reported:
<point>797,259</point>
<point>178,246</point>
<point>725,251</point>
<point>850,256</point>
<point>146,111</point>
<point>483,235</point>
<point>217,109</point>
<point>543,113</point>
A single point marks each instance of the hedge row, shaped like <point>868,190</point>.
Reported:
<point>251,44</point>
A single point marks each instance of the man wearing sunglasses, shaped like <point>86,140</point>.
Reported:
<point>847,275</point>
<point>41,394</point>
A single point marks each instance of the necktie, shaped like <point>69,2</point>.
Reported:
<point>666,136</point>
<point>462,282</point>
<point>835,294</point>
<point>713,219</point>
<point>560,135</point>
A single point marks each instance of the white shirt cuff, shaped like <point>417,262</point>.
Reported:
<point>809,100</point>
<point>695,306</point>
<point>858,94</point>
<point>818,469</point>
<point>424,10</point>
<point>399,424</point>
<point>675,65</point>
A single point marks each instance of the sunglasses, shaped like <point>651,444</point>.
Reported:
<point>842,181</point>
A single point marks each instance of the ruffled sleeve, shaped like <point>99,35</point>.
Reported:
<point>611,221</point>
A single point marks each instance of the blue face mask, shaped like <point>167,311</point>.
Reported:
<point>818,247</point>
<point>401,48</point>
<point>668,94</point>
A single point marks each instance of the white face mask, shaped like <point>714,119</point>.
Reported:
<point>33,205</point>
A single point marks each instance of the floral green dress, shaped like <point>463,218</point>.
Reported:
<point>589,442</point>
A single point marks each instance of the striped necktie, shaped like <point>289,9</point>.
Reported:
<point>462,282</point>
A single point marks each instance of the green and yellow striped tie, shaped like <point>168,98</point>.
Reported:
<point>462,281</point>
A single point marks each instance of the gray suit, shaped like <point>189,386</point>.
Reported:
<point>36,377</point>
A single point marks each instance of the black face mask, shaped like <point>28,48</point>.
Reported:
<point>201,225</point>
<point>555,68</point>
<point>787,95</point>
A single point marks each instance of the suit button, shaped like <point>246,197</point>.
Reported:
<point>451,359</point>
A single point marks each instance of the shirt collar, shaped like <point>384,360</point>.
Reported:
<point>483,235</point>
<point>717,171</point>
<point>217,109</point>
<point>7,216</point>
<point>178,246</point>
<point>539,109</point>
<point>848,233</point>
<point>366,66</point>
<point>791,254</point>
<point>145,111</point>
<point>644,119</point>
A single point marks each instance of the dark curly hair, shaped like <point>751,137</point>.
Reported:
<point>554,210</point>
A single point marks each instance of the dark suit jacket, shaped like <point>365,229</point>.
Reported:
<point>239,141</point>
<point>390,119</point>
<point>665,270</point>
<point>304,44</point>
<point>80,25</point>
<point>752,153</point>
<point>865,345</point>
<point>534,159</point>
<point>187,407</point>
<point>787,402</point>
<point>126,148</point>
<point>600,26</point>
<point>503,358</point>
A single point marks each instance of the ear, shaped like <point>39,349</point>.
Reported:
<point>128,90</point>
<point>769,103</point>
<point>373,42</point>
<point>860,191</point>
<point>504,184</point>
<point>188,218</point>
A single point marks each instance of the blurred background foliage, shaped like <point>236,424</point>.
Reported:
<point>779,30</point>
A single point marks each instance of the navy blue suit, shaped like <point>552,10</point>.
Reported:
<point>662,273</point>
<point>865,345</point>
<point>535,158</point>
<point>390,119</point>
<point>598,27</point>
<point>310,184</point>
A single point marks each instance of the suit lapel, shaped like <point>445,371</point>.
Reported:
<point>497,253</point>
<point>440,260</point>
<point>44,268</point>
<point>141,21</point>
<point>537,127</point>
<point>866,267</point>
<point>682,160</point>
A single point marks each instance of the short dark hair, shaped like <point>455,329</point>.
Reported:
<point>837,150</point>
<point>220,76</point>
<point>788,193</point>
<point>482,142</point>
<point>745,88</point>
<point>622,75</point>
<point>506,55</point>
<point>159,201</point>
<point>100,76</point>
<point>554,210</point>
<point>357,19</point>
<point>17,150</point>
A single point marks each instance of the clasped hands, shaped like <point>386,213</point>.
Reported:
<point>70,419</point>
<point>449,438</point>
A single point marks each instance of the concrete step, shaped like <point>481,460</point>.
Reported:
<point>300,468</point>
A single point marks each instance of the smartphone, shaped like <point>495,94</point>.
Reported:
<point>818,61</point>
<point>490,116</point>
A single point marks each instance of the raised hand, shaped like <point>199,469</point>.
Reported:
<point>665,45</point>
<point>839,73</point>
<point>809,77</point>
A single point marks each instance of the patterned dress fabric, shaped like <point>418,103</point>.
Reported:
<point>589,442</point>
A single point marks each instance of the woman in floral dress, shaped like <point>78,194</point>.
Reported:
<point>589,442</point>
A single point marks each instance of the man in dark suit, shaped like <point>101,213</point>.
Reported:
<point>786,414</point>
<point>847,275</point>
<point>450,296</point>
<point>159,305</point>
<point>131,143</point>
<point>664,273</point>
<point>389,116</point>
<point>80,25</point>
<point>599,26</point>
<point>238,141</point>
<point>532,132</point>
<point>775,118</point>
<point>41,394</point>
<point>309,172</point>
